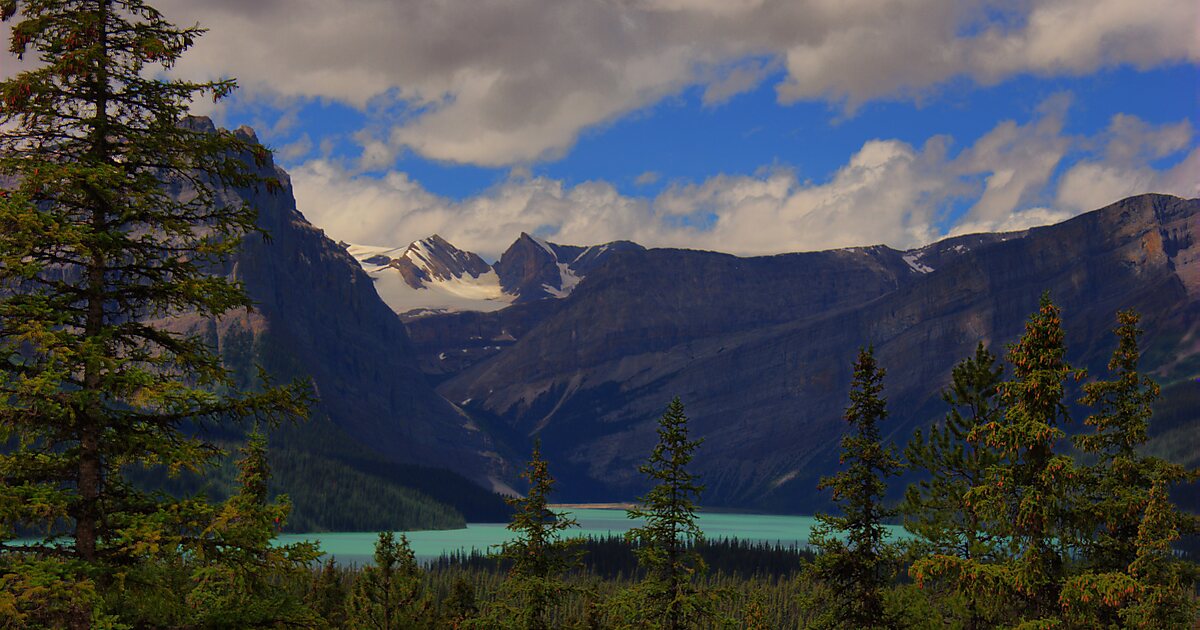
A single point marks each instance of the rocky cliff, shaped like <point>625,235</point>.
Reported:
<point>318,317</point>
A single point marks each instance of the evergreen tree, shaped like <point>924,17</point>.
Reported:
<point>1027,496</point>
<point>1120,479</point>
<point>390,595</point>
<point>328,596</point>
<point>93,246</point>
<point>460,606</point>
<point>538,557</point>
<point>854,560</point>
<point>935,509</point>
<point>238,571</point>
<point>668,597</point>
<point>1125,570</point>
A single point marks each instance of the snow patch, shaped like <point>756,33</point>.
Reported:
<point>457,293</point>
<point>544,245</point>
<point>782,479</point>
<point>914,263</point>
<point>567,280</point>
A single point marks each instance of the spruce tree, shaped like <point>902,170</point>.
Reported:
<point>1128,573</point>
<point>390,594</point>
<point>93,248</point>
<point>328,594</point>
<point>459,608</point>
<point>1028,496</point>
<point>238,572</point>
<point>936,510</point>
<point>538,556</point>
<point>666,545</point>
<point>854,559</point>
<point>1119,481</point>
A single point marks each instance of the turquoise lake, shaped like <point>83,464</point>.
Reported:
<point>357,547</point>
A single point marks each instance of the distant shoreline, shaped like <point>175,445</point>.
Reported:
<point>591,506</point>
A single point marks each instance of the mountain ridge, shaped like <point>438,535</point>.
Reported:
<point>591,377</point>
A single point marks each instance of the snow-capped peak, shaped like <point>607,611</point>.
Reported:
<point>431,275</point>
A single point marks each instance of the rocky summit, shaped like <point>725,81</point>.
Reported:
<point>431,276</point>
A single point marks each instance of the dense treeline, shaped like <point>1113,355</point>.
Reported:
<point>337,485</point>
<point>615,557</point>
<point>1014,525</point>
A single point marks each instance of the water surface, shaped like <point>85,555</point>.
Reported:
<point>357,547</point>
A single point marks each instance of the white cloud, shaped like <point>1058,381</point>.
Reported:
<point>497,83</point>
<point>887,192</point>
<point>647,178</point>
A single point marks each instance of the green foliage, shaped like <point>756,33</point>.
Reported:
<point>538,555</point>
<point>93,248</point>
<point>235,564</point>
<point>390,594</point>
<point>460,607</point>
<point>1126,523</point>
<point>936,509</point>
<point>328,594</point>
<point>854,561</point>
<point>668,596</point>
<point>1026,497</point>
<point>44,592</point>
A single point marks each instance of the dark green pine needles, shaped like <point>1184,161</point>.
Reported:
<point>669,596</point>
<point>854,560</point>
<point>94,247</point>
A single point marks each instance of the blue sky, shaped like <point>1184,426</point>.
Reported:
<point>680,139</point>
<point>748,126</point>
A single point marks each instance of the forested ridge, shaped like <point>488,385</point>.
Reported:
<point>147,465</point>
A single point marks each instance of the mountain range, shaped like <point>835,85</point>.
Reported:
<point>431,276</point>
<point>583,347</point>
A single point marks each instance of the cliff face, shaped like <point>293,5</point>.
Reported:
<point>760,349</point>
<point>317,316</point>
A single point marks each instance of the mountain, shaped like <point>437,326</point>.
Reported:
<point>597,339</point>
<point>432,276</point>
<point>534,269</point>
<point>760,349</point>
<point>317,317</point>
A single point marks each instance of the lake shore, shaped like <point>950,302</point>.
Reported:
<point>591,506</point>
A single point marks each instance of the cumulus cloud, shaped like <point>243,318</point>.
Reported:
<point>498,83</point>
<point>888,192</point>
<point>1124,166</point>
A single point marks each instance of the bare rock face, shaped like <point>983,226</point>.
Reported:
<point>760,349</point>
<point>317,316</point>
<point>534,269</point>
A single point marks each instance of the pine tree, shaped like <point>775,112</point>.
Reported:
<point>538,556</point>
<point>854,559</point>
<point>238,571</point>
<point>460,607</point>
<point>328,595</point>
<point>935,509</point>
<point>1119,481</point>
<point>666,544</point>
<point>93,246</point>
<point>390,594</point>
<point>1028,496</point>
<point>1124,502</point>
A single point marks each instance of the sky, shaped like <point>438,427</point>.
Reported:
<point>745,126</point>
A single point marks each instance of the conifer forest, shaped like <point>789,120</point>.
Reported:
<point>1018,514</point>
